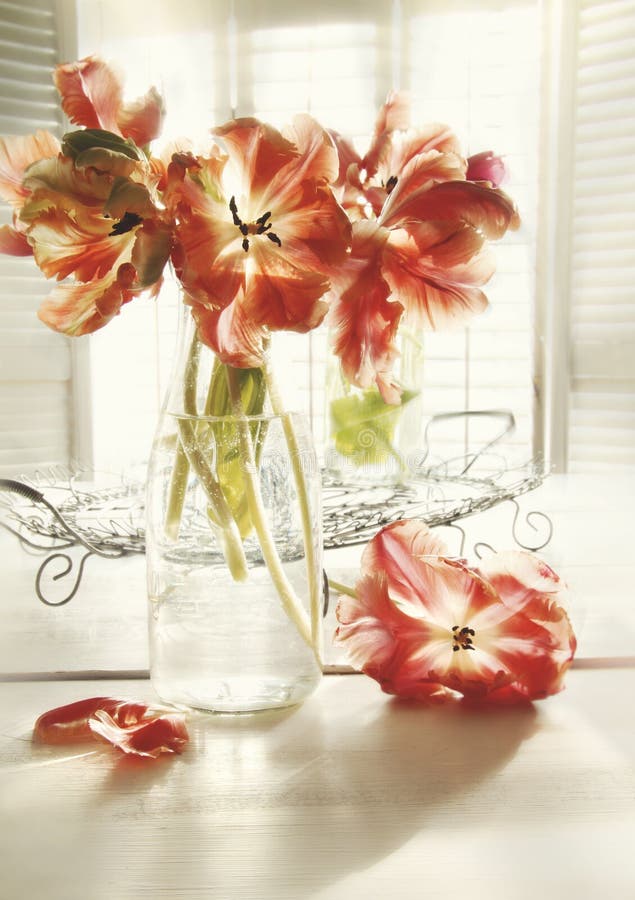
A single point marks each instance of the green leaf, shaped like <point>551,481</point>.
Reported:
<point>363,426</point>
<point>76,143</point>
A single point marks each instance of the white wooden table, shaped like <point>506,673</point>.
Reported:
<point>352,795</point>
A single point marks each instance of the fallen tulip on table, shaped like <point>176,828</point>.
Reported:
<point>429,627</point>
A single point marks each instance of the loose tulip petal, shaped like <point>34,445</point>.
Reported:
<point>148,738</point>
<point>66,724</point>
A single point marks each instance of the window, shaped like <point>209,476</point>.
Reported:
<point>250,58</point>
<point>478,66</point>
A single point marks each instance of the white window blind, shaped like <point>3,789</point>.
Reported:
<point>602,395</point>
<point>35,363</point>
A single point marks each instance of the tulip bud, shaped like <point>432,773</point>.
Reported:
<point>486,167</point>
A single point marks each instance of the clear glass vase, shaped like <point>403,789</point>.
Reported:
<point>233,533</point>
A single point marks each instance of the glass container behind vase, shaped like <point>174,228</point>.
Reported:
<point>368,440</point>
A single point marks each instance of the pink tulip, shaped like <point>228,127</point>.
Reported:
<point>428,627</point>
<point>486,166</point>
<point>259,233</point>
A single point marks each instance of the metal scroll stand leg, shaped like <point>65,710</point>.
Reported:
<point>36,497</point>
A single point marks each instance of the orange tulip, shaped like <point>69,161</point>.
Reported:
<point>259,233</point>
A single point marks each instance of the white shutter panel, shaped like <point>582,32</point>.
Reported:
<point>602,410</point>
<point>35,363</point>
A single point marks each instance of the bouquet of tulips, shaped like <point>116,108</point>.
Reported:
<point>266,231</point>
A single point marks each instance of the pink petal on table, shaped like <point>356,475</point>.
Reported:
<point>66,724</point>
<point>150,737</point>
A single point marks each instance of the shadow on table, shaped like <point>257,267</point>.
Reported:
<point>314,794</point>
<point>398,770</point>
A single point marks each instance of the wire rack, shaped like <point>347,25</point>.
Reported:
<point>55,511</point>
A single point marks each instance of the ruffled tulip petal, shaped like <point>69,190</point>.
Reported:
<point>16,155</point>
<point>232,335</point>
<point>13,242</point>
<point>77,309</point>
<point>316,232</point>
<point>422,174</point>
<point>396,550</point>
<point>150,737</point>
<point>69,723</point>
<point>91,93</point>
<point>59,182</point>
<point>363,320</point>
<point>487,210</point>
<point>435,270</point>
<point>394,114</point>
<point>258,151</point>
<point>63,246</point>
<point>283,297</point>
<point>150,253</point>
<point>347,156</point>
<point>371,626</point>
<point>405,145</point>
<point>316,160</point>
<point>92,96</point>
<point>528,585</point>
<point>141,120</point>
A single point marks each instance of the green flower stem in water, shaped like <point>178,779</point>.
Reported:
<point>189,444</point>
<point>290,601</point>
<point>181,468</point>
<point>363,427</point>
<point>176,496</point>
<point>303,500</point>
